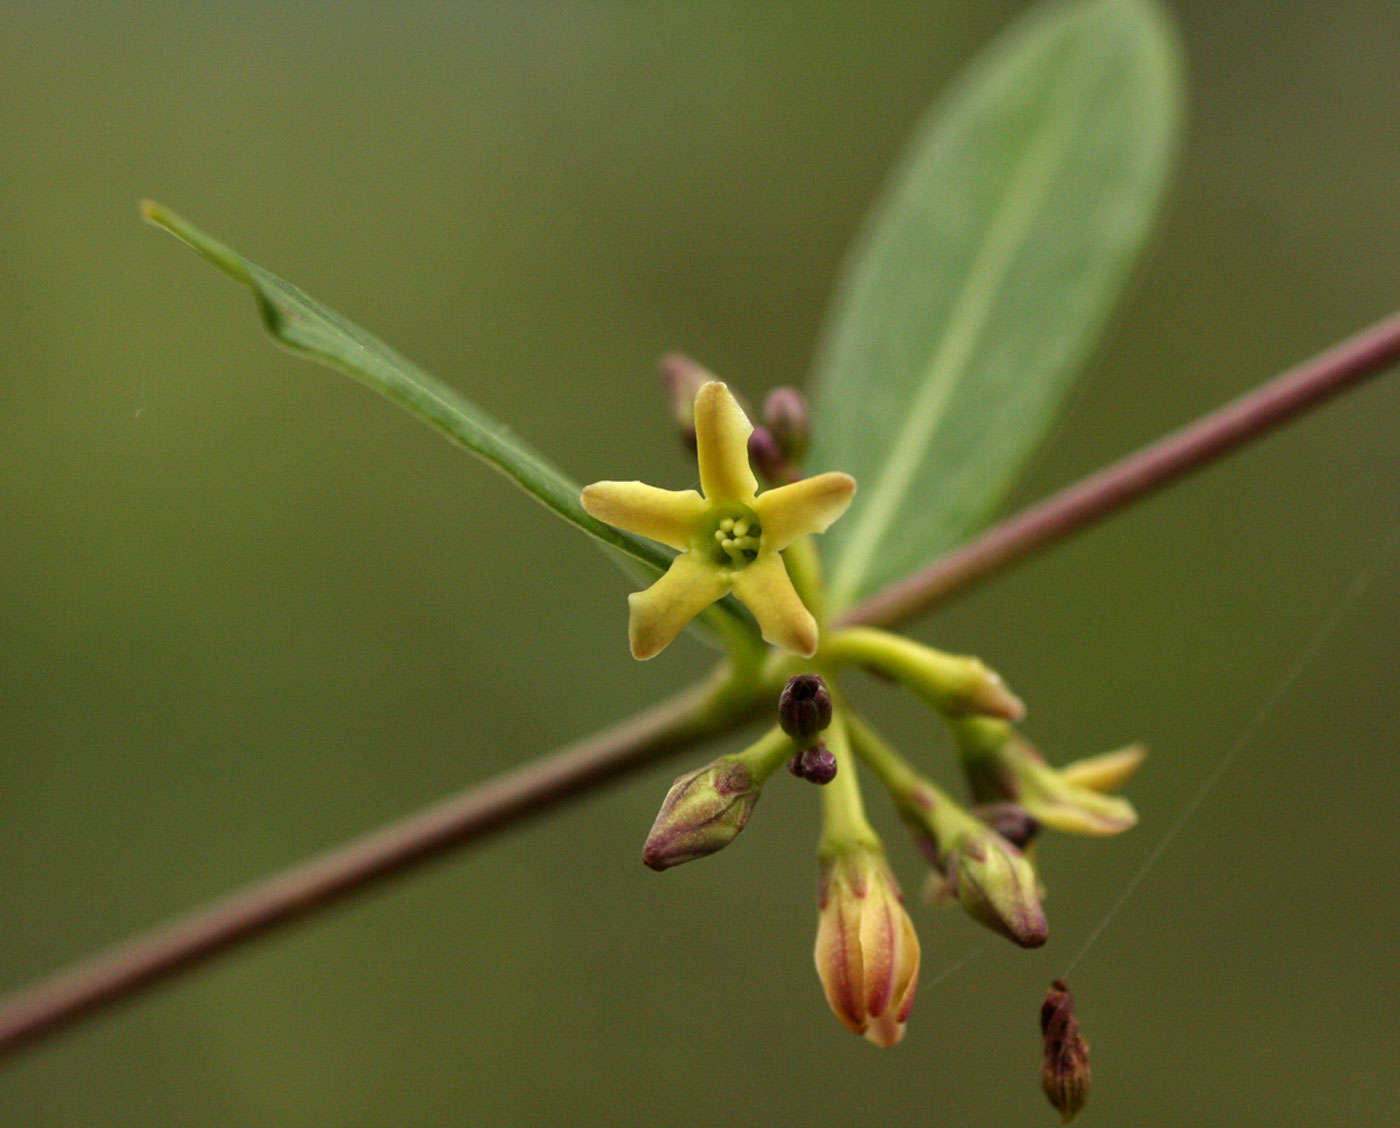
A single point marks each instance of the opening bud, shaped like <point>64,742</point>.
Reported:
<point>1001,765</point>
<point>703,812</point>
<point>788,420</point>
<point>815,764</point>
<point>804,708</point>
<point>867,952</point>
<point>995,883</point>
<point>1064,1070</point>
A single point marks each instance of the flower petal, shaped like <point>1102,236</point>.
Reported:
<point>722,433</point>
<point>887,1025</point>
<point>668,516</point>
<point>1077,810</point>
<point>767,592</point>
<point>809,505</point>
<point>660,613</point>
<point>1107,771</point>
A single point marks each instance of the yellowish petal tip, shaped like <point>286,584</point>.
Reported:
<point>796,633</point>
<point>806,643</point>
<point>644,641</point>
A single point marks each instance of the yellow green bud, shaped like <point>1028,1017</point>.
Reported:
<point>703,812</point>
<point>954,684</point>
<point>995,883</point>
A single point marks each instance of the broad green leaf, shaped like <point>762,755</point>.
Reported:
<point>306,327</point>
<point>984,274</point>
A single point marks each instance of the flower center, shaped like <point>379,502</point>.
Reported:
<point>735,538</point>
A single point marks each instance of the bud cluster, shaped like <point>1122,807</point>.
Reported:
<point>867,953</point>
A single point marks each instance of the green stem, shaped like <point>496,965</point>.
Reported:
<point>892,770</point>
<point>917,798</point>
<point>844,823</point>
<point>767,754</point>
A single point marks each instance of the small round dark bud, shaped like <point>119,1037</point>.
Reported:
<point>815,764</point>
<point>804,708</point>
<point>1011,821</point>
<point>766,457</point>
<point>785,412</point>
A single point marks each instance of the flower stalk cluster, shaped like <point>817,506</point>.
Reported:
<point>734,536</point>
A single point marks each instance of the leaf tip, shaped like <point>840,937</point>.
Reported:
<point>225,258</point>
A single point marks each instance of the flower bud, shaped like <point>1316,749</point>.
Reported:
<point>1064,1070</point>
<point>867,952</point>
<point>683,378</point>
<point>954,684</point>
<point>996,885</point>
<point>1012,822</point>
<point>766,457</point>
<point>788,420</point>
<point>703,812</point>
<point>815,764</point>
<point>804,707</point>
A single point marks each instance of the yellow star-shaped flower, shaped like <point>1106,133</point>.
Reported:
<point>730,538</point>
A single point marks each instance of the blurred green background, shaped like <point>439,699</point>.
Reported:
<point>248,610</point>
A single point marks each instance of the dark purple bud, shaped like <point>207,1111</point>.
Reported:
<point>1012,822</point>
<point>1064,1070</point>
<point>766,457</point>
<point>788,420</point>
<point>816,764</point>
<point>804,709</point>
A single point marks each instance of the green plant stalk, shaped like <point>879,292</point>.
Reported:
<point>946,816</point>
<point>844,823</point>
<point>766,754</point>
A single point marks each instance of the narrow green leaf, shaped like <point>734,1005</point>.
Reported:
<point>307,328</point>
<point>984,274</point>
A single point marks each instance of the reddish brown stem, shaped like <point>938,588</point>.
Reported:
<point>670,726</point>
